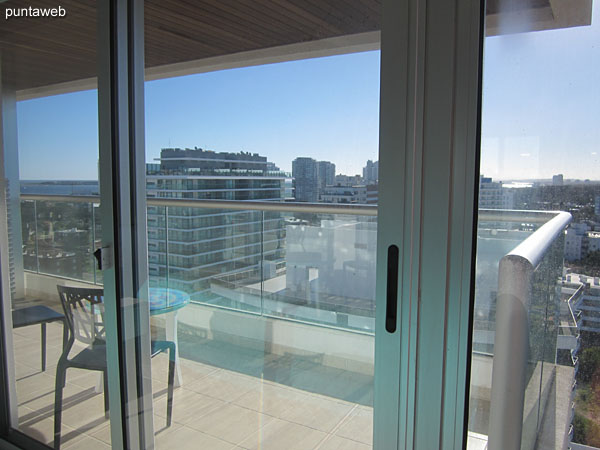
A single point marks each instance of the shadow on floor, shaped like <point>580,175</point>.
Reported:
<point>305,372</point>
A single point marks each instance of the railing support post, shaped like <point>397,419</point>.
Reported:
<point>511,347</point>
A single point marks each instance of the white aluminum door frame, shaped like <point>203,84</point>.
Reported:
<point>123,215</point>
<point>429,143</point>
<point>123,220</point>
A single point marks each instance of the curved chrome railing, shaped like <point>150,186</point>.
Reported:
<point>511,345</point>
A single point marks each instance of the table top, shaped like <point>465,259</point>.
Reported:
<point>33,315</point>
<point>165,300</point>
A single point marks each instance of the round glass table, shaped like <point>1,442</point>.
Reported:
<point>169,301</point>
<point>165,300</point>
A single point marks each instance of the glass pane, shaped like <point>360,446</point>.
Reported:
<point>538,219</point>
<point>326,272</point>
<point>50,159</point>
<point>64,239</point>
<point>271,310</point>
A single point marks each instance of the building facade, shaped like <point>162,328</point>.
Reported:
<point>558,180</point>
<point>492,195</point>
<point>348,180</point>
<point>306,179</point>
<point>187,246</point>
<point>580,241</point>
<point>326,174</point>
<point>344,194</point>
<point>371,172</point>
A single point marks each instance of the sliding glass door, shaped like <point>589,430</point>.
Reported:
<point>273,243</point>
<point>72,307</point>
<point>534,360</point>
<point>57,307</point>
<point>262,182</point>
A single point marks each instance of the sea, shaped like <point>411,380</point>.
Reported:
<point>60,187</point>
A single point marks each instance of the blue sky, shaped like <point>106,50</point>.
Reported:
<point>541,112</point>
<point>541,103</point>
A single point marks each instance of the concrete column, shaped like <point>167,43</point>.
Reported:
<point>9,179</point>
<point>8,269</point>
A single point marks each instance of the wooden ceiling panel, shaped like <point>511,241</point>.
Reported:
<point>43,51</point>
<point>39,52</point>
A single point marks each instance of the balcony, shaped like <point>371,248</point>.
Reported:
<point>282,308</point>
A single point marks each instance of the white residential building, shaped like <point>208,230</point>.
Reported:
<point>580,241</point>
<point>344,194</point>
<point>492,195</point>
<point>348,180</point>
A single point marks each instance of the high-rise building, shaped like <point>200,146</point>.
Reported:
<point>271,166</point>
<point>344,194</point>
<point>557,180</point>
<point>305,172</point>
<point>348,180</point>
<point>311,177</point>
<point>492,195</point>
<point>371,172</point>
<point>326,174</point>
<point>202,243</point>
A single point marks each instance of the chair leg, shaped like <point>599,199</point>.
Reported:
<point>106,405</point>
<point>170,386</point>
<point>58,397</point>
<point>65,333</point>
<point>43,347</point>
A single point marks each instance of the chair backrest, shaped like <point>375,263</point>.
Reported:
<point>84,312</point>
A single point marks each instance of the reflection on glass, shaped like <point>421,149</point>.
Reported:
<point>274,307</point>
<point>537,165</point>
<point>51,147</point>
<point>276,344</point>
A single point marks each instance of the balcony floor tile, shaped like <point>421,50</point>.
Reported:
<point>230,398</point>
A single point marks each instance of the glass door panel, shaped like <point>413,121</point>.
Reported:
<point>269,293</point>
<point>538,215</point>
<point>57,358</point>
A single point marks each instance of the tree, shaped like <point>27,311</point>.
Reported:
<point>581,425</point>
<point>589,364</point>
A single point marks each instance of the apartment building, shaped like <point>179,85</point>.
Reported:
<point>492,195</point>
<point>187,246</point>
<point>371,172</point>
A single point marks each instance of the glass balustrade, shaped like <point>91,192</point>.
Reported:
<point>316,269</point>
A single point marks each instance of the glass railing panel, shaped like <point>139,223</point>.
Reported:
<point>207,253</point>
<point>252,320</point>
<point>58,239</point>
<point>29,233</point>
<point>535,303</point>
<point>320,268</point>
<point>494,240</point>
<point>544,313</point>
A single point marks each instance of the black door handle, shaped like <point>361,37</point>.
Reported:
<point>98,256</point>
<point>391,310</point>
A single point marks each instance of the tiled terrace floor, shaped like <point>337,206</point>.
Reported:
<point>217,407</point>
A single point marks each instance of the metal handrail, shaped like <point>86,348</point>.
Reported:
<point>516,215</point>
<point>62,198</point>
<point>511,344</point>
<point>253,205</point>
<point>535,246</point>
<point>575,315</point>
<point>499,215</point>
